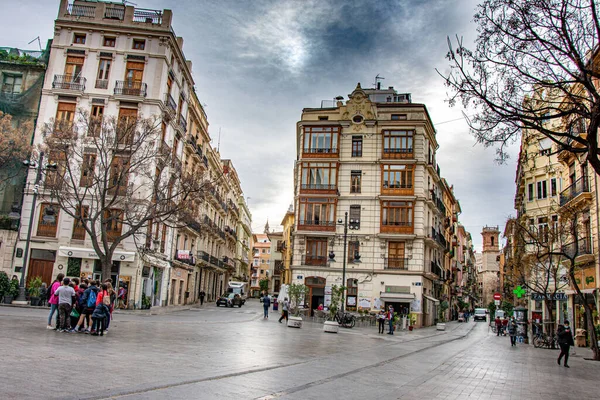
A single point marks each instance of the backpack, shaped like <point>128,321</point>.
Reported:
<point>91,301</point>
<point>106,299</point>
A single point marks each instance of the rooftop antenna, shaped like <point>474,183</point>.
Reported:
<point>378,80</point>
<point>39,42</point>
<point>219,142</point>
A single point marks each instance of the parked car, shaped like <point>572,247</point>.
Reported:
<point>230,300</point>
<point>480,314</point>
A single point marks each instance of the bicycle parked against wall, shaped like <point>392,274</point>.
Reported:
<point>544,340</point>
<point>346,319</point>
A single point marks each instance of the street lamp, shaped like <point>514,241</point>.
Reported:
<point>49,218</point>
<point>354,224</point>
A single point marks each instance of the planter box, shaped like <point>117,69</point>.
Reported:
<point>294,322</point>
<point>331,327</point>
<point>8,299</point>
<point>440,326</point>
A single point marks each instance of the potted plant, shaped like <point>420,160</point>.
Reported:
<point>4,284</point>
<point>13,291</point>
<point>34,290</point>
<point>331,325</point>
<point>441,325</point>
<point>146,304</point>
<point>296,293</point>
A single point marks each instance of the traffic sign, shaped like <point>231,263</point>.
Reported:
<point>497,302</point>
<point>497,296</point>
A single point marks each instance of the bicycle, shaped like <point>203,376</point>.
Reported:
<point>346,319</point>
<point>547,341</point>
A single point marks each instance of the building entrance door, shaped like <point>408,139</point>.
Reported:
<point>42,268</point>
<point>316,292</point>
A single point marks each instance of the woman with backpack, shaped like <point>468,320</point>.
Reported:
<point>87,303</point>
<point>53,300</point>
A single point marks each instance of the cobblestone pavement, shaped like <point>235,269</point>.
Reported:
<point>219,353</point>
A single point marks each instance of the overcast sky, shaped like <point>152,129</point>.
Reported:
<point>257,63</point>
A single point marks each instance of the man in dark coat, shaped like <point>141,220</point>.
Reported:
<point>565,341</point>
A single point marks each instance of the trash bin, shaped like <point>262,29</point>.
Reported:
<point>275,305</point>
<point>580,337</point>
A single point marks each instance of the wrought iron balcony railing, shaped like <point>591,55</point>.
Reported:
<point>131,88</point>
<point>69,82</point>
<point>581,185</point>
<point>395,263</point>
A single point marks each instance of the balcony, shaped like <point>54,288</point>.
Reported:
<point>69,82</point>
<point>185,256</point>
<point>320,153</point>
<point>101,83</point>
<point>399,227</point>
<point>214,261</point>
<point>318,188</point>
<point>316,225</point>
<point>583,247</point>
<point>78,10</point>
<point>233,207</point>
<point>397,153</point>
<point>436,269</point>
<point>205,161</point>
<point>395,263</point>
<point>191,140</point>
<point>314,260</point>
<point>147,16</point>
<point>204,256</point>
<point>576,193</point>
<point>170,106</point>
<point>114,12</point>
<point>182,123</point>
<point>131,88</point>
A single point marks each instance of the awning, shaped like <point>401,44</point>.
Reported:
<point>79,252</point>
<point>431,299</point>
<point>582,291</point>
<point>396,296</point>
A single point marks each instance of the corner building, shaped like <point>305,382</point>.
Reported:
<point>373,157</point>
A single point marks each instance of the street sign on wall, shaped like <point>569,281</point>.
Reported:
<point>497,296</point>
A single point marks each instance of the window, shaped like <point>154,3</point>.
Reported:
<point>96,121</point>
<point>48,228</point>
<point>127,125</point>
<point>73,67</point>
<point>139,44</point>
<point>65,112</point>
<point>543,229</point>
<point>319,176</point>
<point>321,139</point>
<point>79,38</point>
<point>542,190</point>
<point>55,177</point>
<point>317,211</point>
<point>87,170</point>
<point>262,261</point>
<point>113,219</point>
<point>323,118</point>
<point>399,117</point>
<point>396,258</point>
<point>397,176</point>
<point>103,73</point>
<point>357,146</point>
<point>355,177</point>
<point>316,252</point>
<point>397,214</point>
<point>134,72</point>
<point>397,144</point>
<point>353,250</point>
<point>354,217</point>
<point>12,83</point>
<point>545,152</point>
<point>109,41</point>
<point>74,266</point>
<point>119,171</point>
<point>264,251</point>
<point>555,224</point>
<point>553,190</point>
<point>530,192</point>
<point>78,225</point>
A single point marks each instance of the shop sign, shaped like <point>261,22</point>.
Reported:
<point>183,254</point>
<point>549,296</point>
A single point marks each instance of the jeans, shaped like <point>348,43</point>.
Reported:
<point>98,325</point>
<point>266,308</point>
<point>513,340</point>
<point>53,309</point>
<point>391,332</point>
<point>381,325</point>
<point>564,351</point>
<point>64,311</point>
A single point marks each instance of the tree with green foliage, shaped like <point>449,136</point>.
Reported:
<point>336,300</point>
<point>296,293</point>
<point>492,309</point>
<point>507,307</point>
<point>264,284</point>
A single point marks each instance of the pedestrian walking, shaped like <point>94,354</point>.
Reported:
<point>512,331</point>
<point>390,317</point>
<point>53,300</point>
<point>121,296</point>
<point>266,300</point>
<point>498,323</point>
<point>381,321</point>
<point>285,310</point>
<point>565,341</point>
<point>202,295</point>
<point>65,295</point>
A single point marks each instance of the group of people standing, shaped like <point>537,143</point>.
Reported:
<point>84,307</point>
<point>386,316</point>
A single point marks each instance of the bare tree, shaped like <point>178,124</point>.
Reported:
<point>544,259</point>
<point>118,179</point>
<point>14,146</point>
<point>536,65</point>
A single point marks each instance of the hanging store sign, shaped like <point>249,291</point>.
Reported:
<point>549,296</point>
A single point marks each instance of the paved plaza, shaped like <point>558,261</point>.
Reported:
<point>223,353</point>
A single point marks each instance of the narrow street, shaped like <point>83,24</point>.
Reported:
<point>228,353</point>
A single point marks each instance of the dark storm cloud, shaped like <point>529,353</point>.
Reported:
<point>256,64</point>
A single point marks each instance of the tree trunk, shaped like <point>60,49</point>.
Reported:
<point>591,331</point>
<point>106,270</point>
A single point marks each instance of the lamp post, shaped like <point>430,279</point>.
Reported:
<point>22,299</point>
<point>354,224</point>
